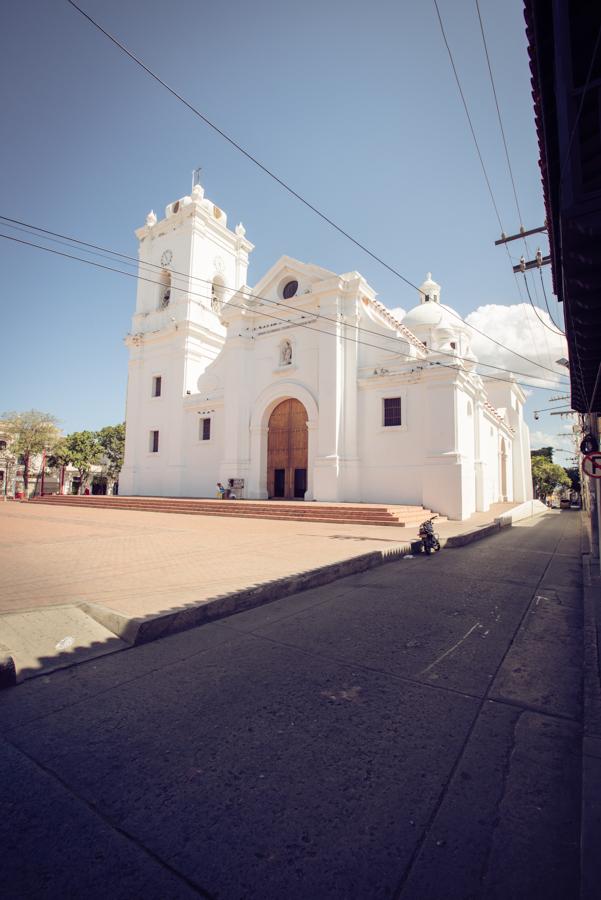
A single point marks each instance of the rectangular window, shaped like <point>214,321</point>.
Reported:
<point>156,386</point>
<point>154,442</point>
<point>205,430</point>
<point>392,411</point>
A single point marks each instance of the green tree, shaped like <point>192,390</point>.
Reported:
<point>59,458</point>
<point>82,450</point>
<point>112,440</point>
<point>574,476</point>
<point>547,476</point>
<point>30,433</point>
<point>547,452</point>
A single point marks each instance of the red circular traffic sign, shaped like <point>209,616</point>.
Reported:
<point>591,465</point>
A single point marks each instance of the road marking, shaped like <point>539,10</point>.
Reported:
<point>450,650</point>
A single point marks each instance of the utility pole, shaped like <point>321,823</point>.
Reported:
<point>524,265</point>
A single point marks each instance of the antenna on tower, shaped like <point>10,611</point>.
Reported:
<point>196,177</point>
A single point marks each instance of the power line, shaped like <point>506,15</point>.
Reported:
<point>268,314</point>
<point>95,247</point>
<point>542,281</point>
<point>473,133</point>
<point>507,157</point>
<point>241,149</point>
<point>469,119</point>
<point>492,81</point>
<point>287,187</point>
<point>535,308</point>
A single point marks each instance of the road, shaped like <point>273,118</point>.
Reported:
<point>413,732</point>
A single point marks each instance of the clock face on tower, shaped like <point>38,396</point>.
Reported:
<point>166,257</point>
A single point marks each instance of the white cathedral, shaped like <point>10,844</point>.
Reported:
<point>305,387</point>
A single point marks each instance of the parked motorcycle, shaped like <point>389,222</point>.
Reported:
<point>428,536</point>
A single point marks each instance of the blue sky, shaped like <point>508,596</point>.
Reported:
<point>353,104</point>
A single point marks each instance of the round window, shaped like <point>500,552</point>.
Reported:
<point>290,290</point>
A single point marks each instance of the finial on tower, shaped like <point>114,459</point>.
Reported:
<point>429,291</point>
<point>197,188</point>
<point>151,218</point>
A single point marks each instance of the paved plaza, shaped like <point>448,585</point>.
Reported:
<point>412,732</point>
<point>141,562</point>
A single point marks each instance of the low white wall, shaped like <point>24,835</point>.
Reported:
<point>523,511</point>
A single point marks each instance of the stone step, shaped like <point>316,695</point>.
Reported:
<point>250,504</point>
<point>339,514</point>
<point>237,507</point>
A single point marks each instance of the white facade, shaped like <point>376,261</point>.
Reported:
<point>395,412</point>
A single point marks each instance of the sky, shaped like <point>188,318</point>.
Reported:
<point>353,104</point>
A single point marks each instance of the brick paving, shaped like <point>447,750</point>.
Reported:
<point>140,562</point>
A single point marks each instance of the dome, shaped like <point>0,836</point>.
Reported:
<point>432,315</point>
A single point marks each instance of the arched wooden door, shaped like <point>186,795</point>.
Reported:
<point>287,451</point>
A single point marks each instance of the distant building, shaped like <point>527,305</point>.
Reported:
<point>12,469</point>
<point>305,387</point>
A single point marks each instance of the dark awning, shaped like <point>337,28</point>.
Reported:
<point>563,39</point>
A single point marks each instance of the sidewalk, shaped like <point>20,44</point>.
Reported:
<point>411,732</point>
<point>139,575</point>
<point>138,563</point>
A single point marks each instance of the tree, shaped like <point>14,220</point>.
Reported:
<point>574,476</point>
<point>59,458</point>
<point>547,476</point>
<point>112,440</point>
<point>82,450</point>
<point>30,433</point>
<point>547,452</point>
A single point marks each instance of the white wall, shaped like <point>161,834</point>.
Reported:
<point>226,364</point>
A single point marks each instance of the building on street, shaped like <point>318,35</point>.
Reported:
<point>305,387</point>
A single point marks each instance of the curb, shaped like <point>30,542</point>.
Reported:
<point>143,630</point>
<point>140,630</point>
<point>468,537</point>
<point>8,672</point>
<point>590,837</point>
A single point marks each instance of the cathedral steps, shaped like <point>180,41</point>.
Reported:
<point>342,514</point>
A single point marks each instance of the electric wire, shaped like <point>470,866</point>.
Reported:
<point>240,148</point>
<point>271,316</point>
<point>108,254</point>
<point>542,281</point>
<point>492,82</point>
<point>506,148</point>
<point>536,310</point>
<point>473,133</point>
<point>469,119</point>
<point>282,183</point>
<point>14,223</point>
<point>594,394</point>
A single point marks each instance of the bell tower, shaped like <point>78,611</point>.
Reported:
<point>190,264</point>
<point>429,291</point>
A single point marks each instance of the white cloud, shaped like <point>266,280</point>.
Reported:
<point>519,328</point>
<point>559,442</point>
<point>398,312</point>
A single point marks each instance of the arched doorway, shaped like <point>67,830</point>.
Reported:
<point>287,451</point>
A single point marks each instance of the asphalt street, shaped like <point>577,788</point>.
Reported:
<point>412,732</point>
